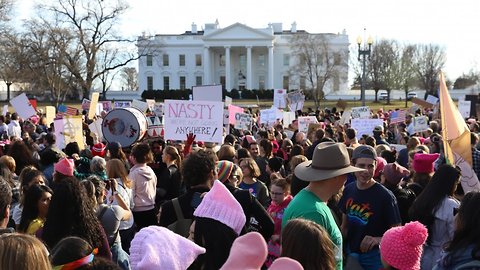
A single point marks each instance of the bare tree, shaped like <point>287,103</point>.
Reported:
<point>130,78</point>
<point>382,66</point>
<point>319,62</point>
<point>92,24</point>
<point>429,61</point>
<point>406,77</point>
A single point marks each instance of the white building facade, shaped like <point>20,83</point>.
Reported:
<point>237,56</point>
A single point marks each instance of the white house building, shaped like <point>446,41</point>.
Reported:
<point>237,56</point>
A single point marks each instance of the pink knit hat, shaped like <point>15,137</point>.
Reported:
<point>220,205</point>
<point>157,247</point>
<point>401,247</point>
<point>225,168</point>
<point>285,263</point>
<point>381,162</point>
<point>394,172</point>
<point>65,166</point>
<point>423,163</point>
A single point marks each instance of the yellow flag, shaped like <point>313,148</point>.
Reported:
<point>456,139</point>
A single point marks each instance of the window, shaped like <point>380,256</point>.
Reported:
<point>198,60</point>
<point>183,81</point>
<point>181,60</point>
<point>286,60</point>
<point>261,60</point>
<point>222,82</point>
<point>285,82</point>
<point>261,82</point>
<point>303,82</point>
<point>222,60</point>
<point>337,59</point>
<point>149,60</point>
<point>166,83</point>
<point>165,60</point>
<point>198,80</point>
<point>243,62</point>
<point>149,83</point>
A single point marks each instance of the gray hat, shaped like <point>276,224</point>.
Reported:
<point>364,151</point>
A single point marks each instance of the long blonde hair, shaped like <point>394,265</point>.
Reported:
<point>116,169</point>
<point>22,251</point>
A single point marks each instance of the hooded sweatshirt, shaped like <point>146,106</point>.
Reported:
<point>144,187</point>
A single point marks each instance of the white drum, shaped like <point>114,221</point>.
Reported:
<point>124,125</point>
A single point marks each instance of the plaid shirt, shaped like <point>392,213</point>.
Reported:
<point>476,161</point>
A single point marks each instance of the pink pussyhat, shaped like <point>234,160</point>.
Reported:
<point>248,252</point>
<point>65,166</point>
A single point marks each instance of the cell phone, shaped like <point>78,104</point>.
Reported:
<point>196,200</point>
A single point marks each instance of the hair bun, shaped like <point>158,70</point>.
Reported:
<point>415,233</point>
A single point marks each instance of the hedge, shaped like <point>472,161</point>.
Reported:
<point>185,93</point>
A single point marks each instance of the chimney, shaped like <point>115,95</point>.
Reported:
<point>294,27</point>
<point>194,28</point>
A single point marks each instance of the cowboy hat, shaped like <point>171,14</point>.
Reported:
<point>329,160</point>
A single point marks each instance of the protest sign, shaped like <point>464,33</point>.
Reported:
<point>397,117</point>
<point>150,104</point>
<point>67,130</point>
<point>207,93</point>
<point>228,101</point>
<point>122,104</point>
<point>5,110</point>
<point>22,106</point>
<point>280,98</point>
<point>422,103</point>
<point>107,105</point>
<point>295,100</point>
<point>432,99</point>
<point>269,116</point>
<point>140,105</point>
<point>420,124</point>
<point>50,114</point>
<point>158,109</point>
<point>304,121</point>
<point>232,111</point>
<point>93,105</point>
<point>85,104</point>
<point>225,117</point>
<point>365,126</point>
<point>202,118</point>
<point>361,112</point>
<point>288,118</point>
<point>464,108</point>
<point>96,128</point>
<point>345,117</point>
<point>243,121</point>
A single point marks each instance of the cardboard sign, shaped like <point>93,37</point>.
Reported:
<point>140,105</point>
<point>280,98</point>
<point>345,117</point>
<point>49,114</point>
<point>365,126</point>
<point>232,111</point>
<point>207,93</point>
<point>422,103</point>
<point>304,121</point>
<point>93,105</point>
<point>288,118</point>
<point>202,118</point>
<point>361,112</point>
<point>67,130</point>
<point>243,121</point>
<point>464,108</point>
<point>22,106</point>
<point>420,124</point>
<point>122,104</point>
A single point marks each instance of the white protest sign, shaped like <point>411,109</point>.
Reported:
<point>268,116</point>
<point>345,117</point>
<point>5,110</point>
<point>58,126</point>
<point>365,126</point>
<point>432,99</point>
<point>122,104</point>
<point>85,104</point>
<point>420,124</point>
<point>243,121</point>
<point>93,105</point>
<point>280,98</point>
<point>232,110</point>
<point>228,101</point>
<point>140,105</point>
<point>295,100</point>
<point>464,108</point>
<point>99,108</point>
<point>207,93</point>
<point>158,109</point>
<point>49,114</point>
<point>202,118</point>
<point>304,121</point>
<point>150,104</point>
<point>288,118</point>
<point>96,127</point>
<point>22,106</point>
<point>107,105</point>
<point>361,112</point>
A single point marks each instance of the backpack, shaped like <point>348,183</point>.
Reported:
<point>182,225</point>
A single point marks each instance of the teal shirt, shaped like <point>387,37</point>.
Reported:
<point>308,206</point>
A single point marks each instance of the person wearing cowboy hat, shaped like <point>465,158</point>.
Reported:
<point>369,210</point>
<point>326,174</point>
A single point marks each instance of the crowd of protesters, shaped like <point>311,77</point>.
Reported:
<point>271,197</point>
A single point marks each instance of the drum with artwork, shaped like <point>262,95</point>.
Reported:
<point>124,125</point>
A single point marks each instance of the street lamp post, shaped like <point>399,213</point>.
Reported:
<point>365,52</point>
<point>8,90</point>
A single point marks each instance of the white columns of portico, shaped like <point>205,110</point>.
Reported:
<point>206,66</point>
<point>270,67</point>
<point>228,71</point>
<point>249,67</point>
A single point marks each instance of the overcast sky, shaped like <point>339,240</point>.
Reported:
<point>455,25</point>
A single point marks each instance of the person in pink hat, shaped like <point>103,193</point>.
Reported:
<point>423,167</point>
<point>401,247</point>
